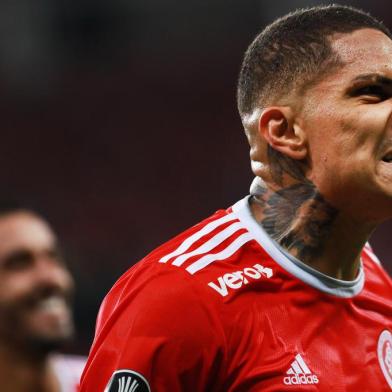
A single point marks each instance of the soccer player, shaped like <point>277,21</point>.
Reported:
<point>35,313</point>
<point>281,291</point>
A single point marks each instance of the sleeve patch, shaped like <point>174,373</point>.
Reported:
<point>125,380</point>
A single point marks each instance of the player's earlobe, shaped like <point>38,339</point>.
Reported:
<point>277,126</point>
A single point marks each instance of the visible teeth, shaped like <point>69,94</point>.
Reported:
<point>51,303</point>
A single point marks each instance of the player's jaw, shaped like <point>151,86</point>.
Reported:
<point>384,163</point>
<point>41,317</point>
<point>382,167</point>
<point>49,317</point>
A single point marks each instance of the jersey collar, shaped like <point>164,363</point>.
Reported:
<point>307,274</point>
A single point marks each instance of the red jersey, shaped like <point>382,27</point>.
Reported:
<point>222,307</point>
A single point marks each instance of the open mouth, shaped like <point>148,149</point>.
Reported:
<point>51,304</point>
<point>54,303</point>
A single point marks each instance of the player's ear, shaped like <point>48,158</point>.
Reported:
<point>277,126</point>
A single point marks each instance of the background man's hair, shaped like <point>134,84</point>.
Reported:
<point>11,206</point>
<point>295,51</point>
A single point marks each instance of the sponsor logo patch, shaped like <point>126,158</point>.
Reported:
<point>237,279</point>
<point>384,352</point>
<point>127,381</point>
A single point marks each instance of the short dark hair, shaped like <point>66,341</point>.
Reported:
<point>13,206</point>
<point>295,50</point>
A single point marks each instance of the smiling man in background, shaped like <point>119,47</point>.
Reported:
<point>35,309</point>
<point>281,291</point>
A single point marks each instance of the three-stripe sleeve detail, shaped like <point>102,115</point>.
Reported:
<point>196,236</point>
<point>224,254</point>
<point>206,249</point>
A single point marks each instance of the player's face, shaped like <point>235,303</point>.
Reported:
<point>35,286</point>
<point>348,119</point>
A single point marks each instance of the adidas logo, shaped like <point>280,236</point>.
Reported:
<point>299,373</point>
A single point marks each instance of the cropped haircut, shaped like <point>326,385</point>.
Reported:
<point>12,206</point>
<point>294,51</point>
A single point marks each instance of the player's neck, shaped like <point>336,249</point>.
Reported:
<point>299,219</point>
<point>22,372</point>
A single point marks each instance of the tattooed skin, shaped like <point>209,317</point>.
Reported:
<point>281,164</point>
<point>297,217</point>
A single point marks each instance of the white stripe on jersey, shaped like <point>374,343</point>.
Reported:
<point>302,363</point>
<point>196,236</point>
<point>296,367</point>
<point>210,244</point>
<point>369,251</point>
<point>224,254</point>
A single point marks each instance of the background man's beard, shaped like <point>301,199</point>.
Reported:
<point>43,345</point>
<point>16,331</point>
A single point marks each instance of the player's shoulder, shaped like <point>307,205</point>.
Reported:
<point>216,246</point>
<point>160,296</point>
<point>375,273</point>
<point>220,246</point>
<point>216,236</point>
<point>214,239</point>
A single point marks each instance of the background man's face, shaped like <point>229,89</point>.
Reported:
<point>35,286</point>
<point>348,120</point>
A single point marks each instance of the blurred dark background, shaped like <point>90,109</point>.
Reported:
<point>119,121</point>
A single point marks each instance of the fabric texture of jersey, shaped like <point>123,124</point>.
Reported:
<point>222,307</point>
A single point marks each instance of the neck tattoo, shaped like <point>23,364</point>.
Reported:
<point>297,217</point>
